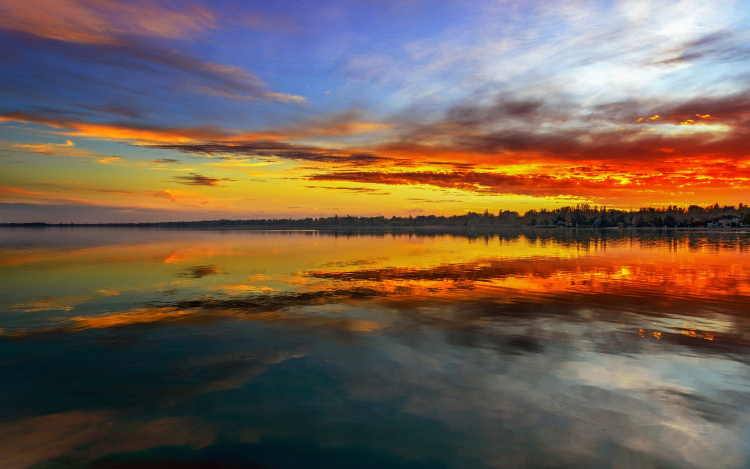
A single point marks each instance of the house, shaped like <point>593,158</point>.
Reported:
<point>723,223</point>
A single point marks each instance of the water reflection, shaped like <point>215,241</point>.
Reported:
<point>547,348</point>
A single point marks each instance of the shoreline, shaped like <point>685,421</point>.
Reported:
<point>365,228</point>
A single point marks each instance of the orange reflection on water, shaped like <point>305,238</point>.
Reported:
<point>649,272</point>
<point>625,275</point>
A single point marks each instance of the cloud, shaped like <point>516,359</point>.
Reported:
<point>513,99</point>
<point>576,183</point>
<point>283,97</point>
<point>195,74</point>
<point>45,147</point>
<point>721,46</point>
<point>434,201</point>
<point>52,149</point>
<point>198,180</point>
<point>557,129</point>
<point>496,183</point>
<point>281,150</point>
<point>14,191</point>
<point>205,139</point>
<point>346,123</point>
<point>361,190</point>
<point>165,194</point>
<point>119,131</point>
<point>506,146</point>
<point>112,159</point>
<point>132,37</point>
<point>86,21</point>
<point>471,134</point>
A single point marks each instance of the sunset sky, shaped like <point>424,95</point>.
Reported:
<point>138,110</point>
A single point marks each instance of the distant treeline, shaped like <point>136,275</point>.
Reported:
<point>581,215</point>
<point>586,215</point>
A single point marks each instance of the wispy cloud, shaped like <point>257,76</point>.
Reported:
<point>198,180</point>
<point>131,36</point>
<point>167,161</point>
<point>45,146</point>
<point>281,150</point>
<point>359,190</point>
<point>13,191</point>
<point>111,159</point>
<point>87,21</point>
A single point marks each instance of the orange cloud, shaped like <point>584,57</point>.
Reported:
<point>10,190</point>
<point>111,159</point>
<point>46,146</point>
<point>593,183</point>
<point>501,148</point>
<point>122,132</point>
<point>102,21</point>
<point>342,124</point>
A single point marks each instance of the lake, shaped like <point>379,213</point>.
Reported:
<point>124,348</point>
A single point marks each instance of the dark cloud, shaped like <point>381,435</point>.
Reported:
<point>722,46</point>
<point>198,180</point>
<point>606,134</point>
<point>282,150</point>
<point>167,160</point>
<point>503,108</point>
<point>454,165</point>
<point>733,110</point>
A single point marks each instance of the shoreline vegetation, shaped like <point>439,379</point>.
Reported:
<point>578,216</point>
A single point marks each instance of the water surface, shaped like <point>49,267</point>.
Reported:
<point>548,348</point>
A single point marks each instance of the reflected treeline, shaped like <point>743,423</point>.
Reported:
<point>584,239</point>
<point>563,273</point>
<point>199,271</point>
<point>278,301</point>
<point>579,238</point>
<point>506,305</point>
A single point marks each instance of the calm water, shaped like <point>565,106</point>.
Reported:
<point>161,349</point>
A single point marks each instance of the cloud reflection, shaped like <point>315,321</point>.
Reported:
<point>586,349</point>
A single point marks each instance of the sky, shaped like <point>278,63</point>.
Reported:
<point>140,110</point>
